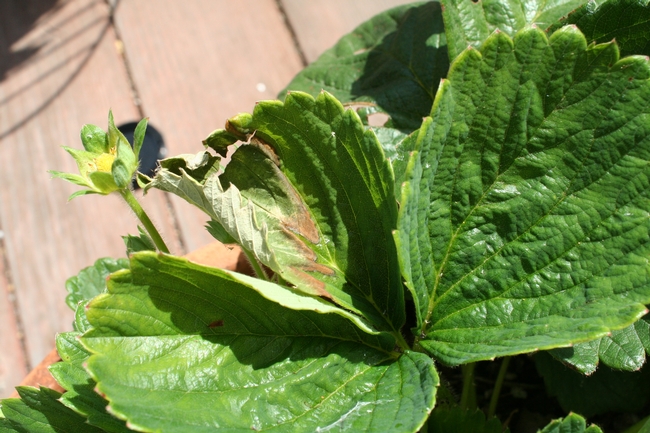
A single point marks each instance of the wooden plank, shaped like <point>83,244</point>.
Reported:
<point>13,362</point>
<point>318,24</point>
<point>197,63</point>
<point>72,75</point>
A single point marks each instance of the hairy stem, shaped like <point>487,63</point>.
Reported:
<point>494,400</point>
<point>259,270</point>
<point>133,203</point>
<point>468,397</point>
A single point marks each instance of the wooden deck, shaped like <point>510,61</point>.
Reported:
<point>187,65</point>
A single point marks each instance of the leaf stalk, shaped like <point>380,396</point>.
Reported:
<point>494,400</point>
<point>139,212</point>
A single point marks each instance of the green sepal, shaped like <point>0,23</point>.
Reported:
<point>82,192</point>
<point>138,137</point>
<point>94,139</point>
<point>71,177</point>
<point>103,182</point>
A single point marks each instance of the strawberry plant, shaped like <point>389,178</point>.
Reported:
<point>463,184</point>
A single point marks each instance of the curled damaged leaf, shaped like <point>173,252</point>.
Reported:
<point>265,211</point>
<point>308,169</point>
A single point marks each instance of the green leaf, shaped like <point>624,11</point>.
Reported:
<point>625,349</point>
<point>394,60</point>
<point>469,23</point>
<point>94,139</point>
<point>172,336</point>
<point>459,420</point>
<point>81,323</point>
<point>103,182</point>
<point>604,391</point>
<point>294,197</point>
<point>39,411</point>
<point>219,233</point>
<point>125,164</point>
<point>71,177</point>
<point>91,281</point>
<point>626,21</point>
<point>571,424</point>
<point>138,137</point>
<point>524,223</point>
<point>142,242</point>
<point>80,394</point>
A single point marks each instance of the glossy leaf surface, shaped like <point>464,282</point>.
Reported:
<point>626,21</point>
<point>532,183</point>
<point>469,23</point>
<point>91,281</point>
<point>625,349</point>
<point>393,61</point>
<point>39,411</point>
<point>80,394</point>
<point>256,363</point>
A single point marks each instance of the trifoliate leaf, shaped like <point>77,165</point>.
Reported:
<point>469,23</point>
<point>524,224</point>
<point>394,60</point>
<point>172,337</point>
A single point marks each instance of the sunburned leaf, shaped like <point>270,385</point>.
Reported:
<point>91,281</point>
<point>469,23</point>
<point>80,394</point>
<point>625,349</point>
<point>293,197</point>
<point>524,224</point>
<point>173,338</point>
<point>626,21</point>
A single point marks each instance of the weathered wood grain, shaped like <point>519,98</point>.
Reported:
<point>13,362</point>
<point>197,63</point>
<point>69,74</point>
<point>318,24</point>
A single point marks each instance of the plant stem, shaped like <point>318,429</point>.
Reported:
<point>494,400</point>
<point>259,270</point>
<point>133,203</point>
<point>468,398</point>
